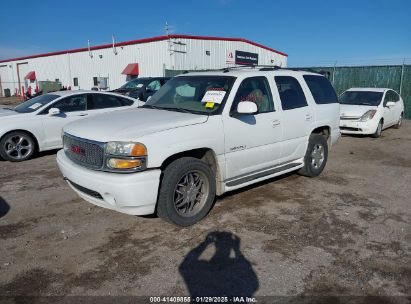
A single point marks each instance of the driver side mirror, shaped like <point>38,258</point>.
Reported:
<point>390,104</point>
<point>54,111</point>
<point>247,107</point>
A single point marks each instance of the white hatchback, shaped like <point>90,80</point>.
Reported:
<point>36,124</point>
<point>368,111</point>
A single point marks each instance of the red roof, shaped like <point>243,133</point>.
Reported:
<point>31,76</point>
<point>146,40</point>
<point>131,69</point>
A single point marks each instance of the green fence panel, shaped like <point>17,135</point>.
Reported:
<point>406,90</point>
<point>344,78</point>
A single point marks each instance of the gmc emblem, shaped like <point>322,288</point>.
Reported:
<point>78,150</point>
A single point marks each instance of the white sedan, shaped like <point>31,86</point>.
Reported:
<point>368,111</point>
<point>36,124</point>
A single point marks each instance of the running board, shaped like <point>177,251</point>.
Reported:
<point>248,178</point>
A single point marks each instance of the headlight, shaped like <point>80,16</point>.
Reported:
<point>126,149</point>
<point>126,156</point>
<point>368,115</point>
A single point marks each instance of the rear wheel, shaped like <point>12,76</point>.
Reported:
<point>378,131</point>
<point>399,123</point>
<point>187,191</point>
<point>17,146</point>
<point>315,157</point>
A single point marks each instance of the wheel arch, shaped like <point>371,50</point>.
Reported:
<point>325,131</point>
<point>36,142</point>
<point>205,154</point>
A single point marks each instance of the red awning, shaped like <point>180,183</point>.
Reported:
<point>131,69</point>
<point>31,76</point>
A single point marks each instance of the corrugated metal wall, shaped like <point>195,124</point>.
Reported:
<point>389,76</point>
<point>153,58</point>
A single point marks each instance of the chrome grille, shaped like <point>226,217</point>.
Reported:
<point>84,152</point>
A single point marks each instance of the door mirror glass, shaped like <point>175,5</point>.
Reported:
<point>390,104</point>
<point>247,107</point>
<point>54,111</point>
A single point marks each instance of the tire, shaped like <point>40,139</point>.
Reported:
<point>378,131</point>
<point>316,156</point>
<point>399,123</point>
<point>179,201</point>
<point>17,146</point>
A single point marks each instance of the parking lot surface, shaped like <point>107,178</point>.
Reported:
<point>346,232</point>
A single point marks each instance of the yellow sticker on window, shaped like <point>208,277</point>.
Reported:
<point>209,105</point>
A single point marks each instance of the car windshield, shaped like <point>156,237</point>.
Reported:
<point>35,103</point>
<point>133,84</point>
<point>193,94</point>
<point>366,98</point>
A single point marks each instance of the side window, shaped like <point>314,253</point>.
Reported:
<point>71,104</point>
<point>395,96</point>
<point>390,96</point>
<point>321,89</point>
<point>257,90</point>
<point>125,101</point>
<point>103,101</point>
<point>291,93</point>
<point>154,86</point>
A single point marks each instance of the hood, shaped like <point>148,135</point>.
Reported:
<point>128,125</point>
<point>354,110</point>
<point>5,112</point>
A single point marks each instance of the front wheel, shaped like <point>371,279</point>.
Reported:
<point>378,131</point>
<point>17,146</point>
<point>187,191</point>
<point>315,157</point>
<point>399,123</point>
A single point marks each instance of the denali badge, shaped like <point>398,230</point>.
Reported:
<point>78,150</point>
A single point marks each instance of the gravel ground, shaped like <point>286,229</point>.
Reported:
<point>345,233</point>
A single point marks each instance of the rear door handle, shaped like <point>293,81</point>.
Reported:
<point>83,114</point>
<point>308,117</point>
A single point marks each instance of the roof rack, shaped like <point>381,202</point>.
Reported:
<point>254,66</point>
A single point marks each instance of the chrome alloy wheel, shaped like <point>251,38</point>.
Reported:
<point>191,193</point>
<point>18,146</point>
<point>317,156</point>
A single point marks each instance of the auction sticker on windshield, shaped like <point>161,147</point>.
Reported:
<point>35,106</point>
<point>213,96</point>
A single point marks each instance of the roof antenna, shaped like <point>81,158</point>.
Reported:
<point>114,45</point>
<point>89,50</point>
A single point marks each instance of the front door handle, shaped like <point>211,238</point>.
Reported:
<point>83,114</point>
<point>276,123</point>
<point>308,117</point>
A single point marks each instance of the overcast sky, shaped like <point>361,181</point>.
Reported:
<point>311,32</point>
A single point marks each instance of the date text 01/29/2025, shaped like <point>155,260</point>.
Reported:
<point>239,299</point>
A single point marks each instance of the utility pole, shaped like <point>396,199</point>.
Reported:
<point>335,63</point>
<point>402,75</point>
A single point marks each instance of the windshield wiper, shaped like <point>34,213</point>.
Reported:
<point>146,106</point>
<point>8,109</point>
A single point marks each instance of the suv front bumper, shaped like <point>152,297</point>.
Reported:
<point>131,193</point>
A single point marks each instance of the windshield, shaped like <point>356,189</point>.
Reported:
<point>366,98</point>
<point>194,94</point>
<point>133,84</point>
<point>35,103</point>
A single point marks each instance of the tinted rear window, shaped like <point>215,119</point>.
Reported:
<point>321,89</point>
<point>291,93</point>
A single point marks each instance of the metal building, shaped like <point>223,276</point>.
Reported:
<point>109,66</point>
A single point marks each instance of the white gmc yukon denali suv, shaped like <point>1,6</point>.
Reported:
<point>201,135</point>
